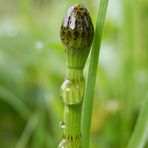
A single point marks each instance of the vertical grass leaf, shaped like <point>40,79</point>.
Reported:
<point>140,133</point>
<point>89,94</point>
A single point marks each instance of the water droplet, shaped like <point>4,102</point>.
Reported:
<point>65,83</point>
<point>82,28</point>
<point>64,144</point>
<point>67,89</point>
<point>39,45</point>
<point>62,124</point>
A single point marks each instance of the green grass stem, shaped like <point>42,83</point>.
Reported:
<point>89,94</point>
<point>140,133</point>
<point>29,129</point>
<point>14,102</point>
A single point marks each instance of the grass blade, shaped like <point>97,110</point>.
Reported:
<point>140,133</point>
<point>29,129</point>
<point>89,94</point>
<point>15,102</point>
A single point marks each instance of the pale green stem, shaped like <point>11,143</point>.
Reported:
<point>89,94</point>
<point>72,120</point>
<point>72,93</point>
<point>140,133</point>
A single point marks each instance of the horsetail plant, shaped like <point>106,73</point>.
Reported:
<point>76,34</point>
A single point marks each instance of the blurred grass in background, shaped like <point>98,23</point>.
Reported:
<point>32,68</point>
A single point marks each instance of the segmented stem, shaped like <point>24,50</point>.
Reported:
<point>72,131</point>
<point>72,92</point>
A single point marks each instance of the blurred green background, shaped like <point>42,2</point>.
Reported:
<point>32,68</point>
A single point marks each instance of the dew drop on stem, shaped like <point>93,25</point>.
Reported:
<point>67,89</point>
<point>62,124</point>
<point>64,144</point>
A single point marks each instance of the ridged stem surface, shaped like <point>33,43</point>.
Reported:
<point>72,92</point>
